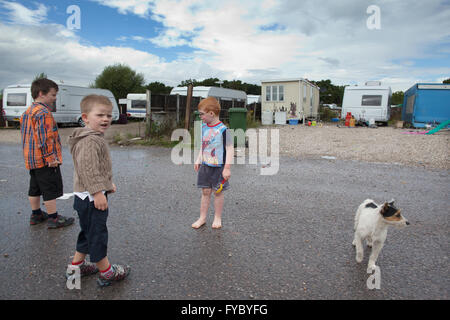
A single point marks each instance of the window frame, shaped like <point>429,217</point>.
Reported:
<point>275,93</point>
<point>371,97</point>
<point>10,103</point>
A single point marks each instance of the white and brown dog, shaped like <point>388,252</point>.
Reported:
<point>371,224</point>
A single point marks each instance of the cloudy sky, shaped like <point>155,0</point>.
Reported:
<point>399,42</point>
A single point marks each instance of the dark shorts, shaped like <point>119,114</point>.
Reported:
<point>93,237</point>
<point>47,182</point>
<point>211,177</point>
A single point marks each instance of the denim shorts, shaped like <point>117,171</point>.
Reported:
<point>211,177</point>
<point>93,237</point>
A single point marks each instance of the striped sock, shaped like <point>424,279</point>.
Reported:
<point>108,273</point>
<point>79,263</point>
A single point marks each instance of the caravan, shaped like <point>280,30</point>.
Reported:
<point>235,96</point>
<point>371,101</point>
<point>17,98</point>
<point>136,105</point>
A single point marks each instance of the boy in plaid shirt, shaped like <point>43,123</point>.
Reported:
<point>42,154</point>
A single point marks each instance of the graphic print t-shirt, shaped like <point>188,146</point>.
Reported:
<point>213,149</point>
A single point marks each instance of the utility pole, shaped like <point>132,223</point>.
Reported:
<point>188,107</point>
<point>148,114</point>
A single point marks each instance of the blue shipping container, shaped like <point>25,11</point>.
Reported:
<point>426,103</point>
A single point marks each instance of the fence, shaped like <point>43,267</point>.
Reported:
<point>176,105</point>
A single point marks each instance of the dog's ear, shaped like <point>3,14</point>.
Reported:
<point>384,208</point>
<point>391,203</point>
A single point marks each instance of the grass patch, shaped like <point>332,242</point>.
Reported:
<point>157,141</point>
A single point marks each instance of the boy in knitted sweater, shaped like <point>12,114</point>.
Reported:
<point>92,183</point>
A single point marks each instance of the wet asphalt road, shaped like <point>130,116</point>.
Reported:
<point>286,236</point>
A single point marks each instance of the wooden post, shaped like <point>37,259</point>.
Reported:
<point>188,107</point>
<point>178,109</point>
<point>148,115</point>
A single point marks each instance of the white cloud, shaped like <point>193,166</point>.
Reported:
<point>254,40</point>
<point>20,14</point>
<point>137,7</point>
<point>66,58</point>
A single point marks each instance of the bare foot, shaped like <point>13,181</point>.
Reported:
<point>217,224</point>
<point>197,224</point>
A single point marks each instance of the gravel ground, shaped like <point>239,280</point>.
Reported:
<point>382,145</point>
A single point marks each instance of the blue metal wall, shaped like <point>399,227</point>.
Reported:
<point>430,106</point>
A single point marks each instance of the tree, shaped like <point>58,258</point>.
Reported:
<point>397,97</point>
<point>446,81</point>
<point>330,93</point>
<point>158,88</point>
<point>120,80</point>
<point>40,76</point>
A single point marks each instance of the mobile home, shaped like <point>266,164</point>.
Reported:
<point>17,98</point>
<point>371,101</point>
<point>217,92</point>
<point>298,97</point>
<point>426,103</point>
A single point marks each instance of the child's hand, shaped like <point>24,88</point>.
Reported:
<point>114,189</point>
<point>54,164</point>
<point>226,173</point>
<point>196,166</point>
<point>100,202</point>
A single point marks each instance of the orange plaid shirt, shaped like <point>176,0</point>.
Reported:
<point>40,139</point>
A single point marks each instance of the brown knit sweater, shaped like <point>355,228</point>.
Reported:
<point>91,161</point>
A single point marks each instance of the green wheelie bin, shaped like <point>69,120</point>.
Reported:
<point>238,120</point>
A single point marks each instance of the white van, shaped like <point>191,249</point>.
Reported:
<point>371,101</point>
<point>17,98</point>
<point>136,105</point>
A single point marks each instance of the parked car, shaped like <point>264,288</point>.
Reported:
<point>332,106</point>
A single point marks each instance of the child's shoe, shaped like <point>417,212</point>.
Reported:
<point>116,273</point>
<point>86,269</point>
<point>38,218</point>
<point>59,222</point>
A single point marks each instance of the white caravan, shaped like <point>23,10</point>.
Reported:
<point>136,105</point>
<point>217,92</point>
<point>371,101</point>
<point>17,98</point>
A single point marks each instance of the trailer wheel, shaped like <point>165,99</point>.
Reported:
<point>81,122</point>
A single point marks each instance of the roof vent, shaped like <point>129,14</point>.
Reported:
<point>373,83</point>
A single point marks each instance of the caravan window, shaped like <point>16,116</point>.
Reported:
<point>369,100</point>
<point>268,88</point>
<point>138,104</point>
<point>274,93</point>
<point>16,99</point>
